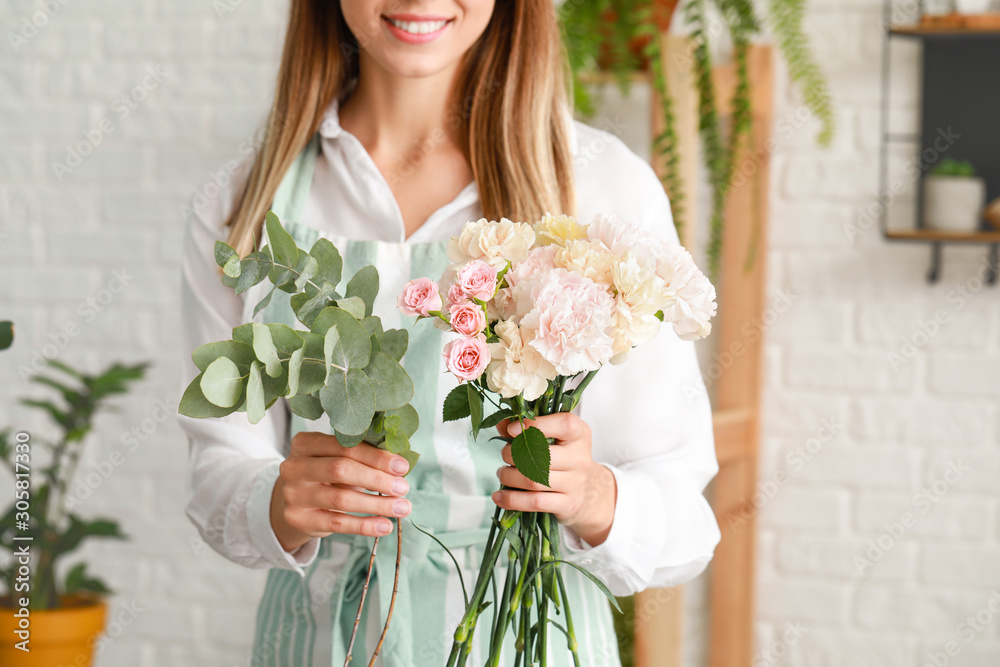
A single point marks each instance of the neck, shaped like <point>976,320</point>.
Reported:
<point>392,113</point>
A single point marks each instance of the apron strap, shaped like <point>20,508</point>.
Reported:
<point>290,199</point>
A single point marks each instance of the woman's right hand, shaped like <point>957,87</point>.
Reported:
<point>320,481</point>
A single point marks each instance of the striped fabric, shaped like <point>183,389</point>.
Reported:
<point>307,621</point>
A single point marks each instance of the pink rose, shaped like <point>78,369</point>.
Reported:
<point>419,298</point>
<point>468,319</point>
<point>467,358</point>
<point>477,279</point>
<point>457,295</point>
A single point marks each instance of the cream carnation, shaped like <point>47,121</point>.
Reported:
<point>639,297</point>
<point>516,302</point>
<point>570,322</point>
<point>690,296</point>
<point>620,238</point>
<point>517,368</point>
<point>589,259</point>
<point>558,229</point>
<point>496,243</point>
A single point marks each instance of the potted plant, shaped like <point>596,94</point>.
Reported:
<point>594,42</point>
<point>953,197</point>
<point>46,620</point>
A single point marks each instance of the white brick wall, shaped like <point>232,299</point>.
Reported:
<point>857,302</point>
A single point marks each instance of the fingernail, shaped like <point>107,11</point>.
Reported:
<point>401,508</point>
<point>514,429</point>
<point>400,486</point>
<point>384,527</point>
<point>496,496</point>
<point>399,466</point>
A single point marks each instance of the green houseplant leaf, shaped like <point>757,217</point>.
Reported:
<point>222,383</point>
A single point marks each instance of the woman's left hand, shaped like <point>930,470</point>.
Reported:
<point>582,492</point>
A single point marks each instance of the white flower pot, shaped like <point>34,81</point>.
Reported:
<point>972,6</point>
<point>953,203</point>
<point>937,7</point>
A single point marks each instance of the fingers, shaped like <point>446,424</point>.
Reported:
<point>512,477</point>
<point>533,501</point>
<point>315,444</point>
<point>561,458</point>
<point>348,472</point>
<point>343,499</point>
<point>319,522</point>
<point>563,426</point>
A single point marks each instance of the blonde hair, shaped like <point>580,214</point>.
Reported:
<point>509,109</point>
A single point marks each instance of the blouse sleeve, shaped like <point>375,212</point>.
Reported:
<point>233,463</point>
<point>651,422</point>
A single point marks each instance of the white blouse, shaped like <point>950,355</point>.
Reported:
<point>650,417</point>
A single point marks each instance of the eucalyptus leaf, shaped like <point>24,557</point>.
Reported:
<point>306,308</point>
<point>345,440</point>
<point>364,284</point>
<point>310,269</point>
<point>282,244</point>
<point>240,353</point>
<point>396,442</point>
<point>394,343</point>
<point>373,325</point>
<point>232,268</point>
<point>194,404</point>
<point>393,386</point>
<point>354,348</point>
<point>355,305</point>
<point>330,262</point>
<point>255,394</point>
<point>265,350</point>
<point>263,303</point>
<point>223,253</point>
<point>295,369</point>
<point>530,452</point>
<point>409,419</point>
<point>306,406</point>
<point>222,383</point>
<point>349,401</point>
<point>330,341</point>
<point>312,375</point>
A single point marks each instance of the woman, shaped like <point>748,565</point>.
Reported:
<point>394,123</point>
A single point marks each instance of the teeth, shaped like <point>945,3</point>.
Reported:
<point>418,27</point>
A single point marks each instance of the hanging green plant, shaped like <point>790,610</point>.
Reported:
<point>622,36</point>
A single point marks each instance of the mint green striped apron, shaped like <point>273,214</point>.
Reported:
<point>307,621</point>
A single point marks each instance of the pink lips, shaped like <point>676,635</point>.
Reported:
<point>414,38</point>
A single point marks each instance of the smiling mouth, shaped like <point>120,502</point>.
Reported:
<point>418,27</point>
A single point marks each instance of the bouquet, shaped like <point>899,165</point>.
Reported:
<point>341,364</point>
<point>537,310</point>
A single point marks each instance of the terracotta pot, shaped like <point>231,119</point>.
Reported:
<point>63,636</point>
<point>663,13</point>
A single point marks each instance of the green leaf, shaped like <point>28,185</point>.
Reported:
<point>222,383</point>
<point>461,579</point>
<point>411,456</point>
<point>6,334</point>
<point>396,442</point>
<point>312,376</point>
<point>497,417</point>
<point>345,440</point>
<point>307,307</point>
<point>364,284</point>
<point>238,352</point>
<point>354,305</point>
<point>282,243</point>
<point>265,350</point>
<point>330,263</point>
<point>306,406</point>
<point>456,404</point>
<point>79,530</point>
<point>77,580</point>
<point>475,408</point>
<point>330,341</point>
<point>194,404</point>
<point>393,386</point>
<point>373,326</point>
<point>597,582</point>
<point>295,369</point>
<point>530,451</point>
<point>349,401</point>
<point>310,269</point>
<point>409,420</point>
<point>394,343</point>
<point>263,303</point>
<point>233,267</point>
<point>255,394</point>
<point>354,349</point>
<point>224,253</point>
<point>253,269</point>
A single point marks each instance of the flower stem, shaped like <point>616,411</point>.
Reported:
<point>395,590</point>
<point>361,605</point>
